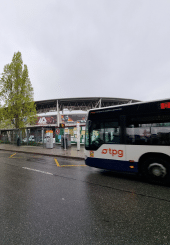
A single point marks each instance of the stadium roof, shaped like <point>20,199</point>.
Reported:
<point>84,103</point>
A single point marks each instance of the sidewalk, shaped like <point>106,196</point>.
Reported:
<point>57,151</point>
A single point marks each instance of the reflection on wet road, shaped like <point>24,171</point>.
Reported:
<point>44,203</point>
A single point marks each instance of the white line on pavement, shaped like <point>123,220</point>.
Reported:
<point>36,170</point>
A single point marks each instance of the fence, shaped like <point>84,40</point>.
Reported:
<point>23,137</point>
<point>36,136</point>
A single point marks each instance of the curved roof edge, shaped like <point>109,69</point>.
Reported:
<point>86,98</point>
<point>81,103</point>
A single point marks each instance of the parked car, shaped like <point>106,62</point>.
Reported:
<point>31,138</point>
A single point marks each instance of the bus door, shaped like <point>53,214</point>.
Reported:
<point>113,149</point>
<point>105,140</point>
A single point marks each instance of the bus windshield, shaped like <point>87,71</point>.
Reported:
<point>98,133</point>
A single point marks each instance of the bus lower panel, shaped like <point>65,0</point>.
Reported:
<point>122,166</point>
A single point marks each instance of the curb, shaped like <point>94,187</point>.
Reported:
<point>45,154</point>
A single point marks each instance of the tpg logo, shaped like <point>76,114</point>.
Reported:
<point>113,152</point>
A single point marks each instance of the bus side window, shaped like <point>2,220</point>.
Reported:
<point>148,133</point>
<point>112,133</point>
<point>160,133</point>
<point>138,134</point>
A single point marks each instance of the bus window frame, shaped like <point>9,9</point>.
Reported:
<point>121,121</point>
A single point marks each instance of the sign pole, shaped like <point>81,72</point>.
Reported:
<point>64,140</point>
<point>78,136</point>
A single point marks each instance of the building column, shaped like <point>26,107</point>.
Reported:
<point>58,115</point>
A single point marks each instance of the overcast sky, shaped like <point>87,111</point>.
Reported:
<point>90,48</point>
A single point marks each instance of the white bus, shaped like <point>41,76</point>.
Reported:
<point>130,138</point>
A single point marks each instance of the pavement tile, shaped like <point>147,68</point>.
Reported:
<point>71,152</point>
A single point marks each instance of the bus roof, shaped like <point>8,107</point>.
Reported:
<point>130,104</point>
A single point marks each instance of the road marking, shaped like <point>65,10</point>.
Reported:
<point>72,165</point>
<point>58,165</point>
<point>17,157</point>
<point>12,155</point>
<point>36,170</point>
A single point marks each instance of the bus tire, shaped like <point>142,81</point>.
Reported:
<point>156,170</point>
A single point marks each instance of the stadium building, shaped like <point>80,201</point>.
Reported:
<point>53,113</point>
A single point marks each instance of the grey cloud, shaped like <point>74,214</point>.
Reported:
<point>90,48</point>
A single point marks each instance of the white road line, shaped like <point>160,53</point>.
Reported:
<point>36,170</point>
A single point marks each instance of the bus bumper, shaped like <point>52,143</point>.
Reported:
<point>116,165</point>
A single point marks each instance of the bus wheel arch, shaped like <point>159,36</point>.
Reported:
<point>155,167</point>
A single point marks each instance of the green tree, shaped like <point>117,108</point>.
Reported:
<point>16,95</point>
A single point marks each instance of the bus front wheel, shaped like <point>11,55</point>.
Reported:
<point>156,170</point>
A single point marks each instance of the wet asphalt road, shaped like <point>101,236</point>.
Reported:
<point>50,201</point>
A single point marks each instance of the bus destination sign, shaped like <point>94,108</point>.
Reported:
<point>165,105</point>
